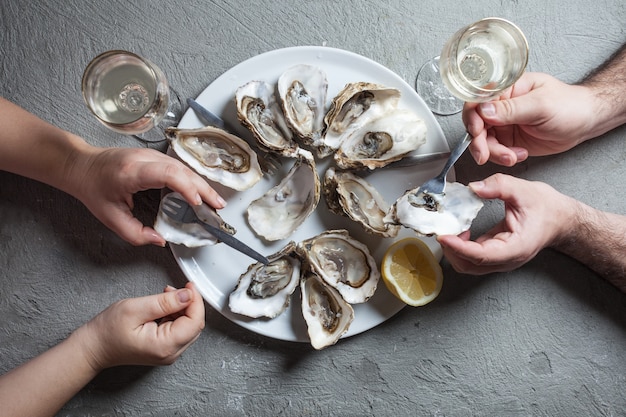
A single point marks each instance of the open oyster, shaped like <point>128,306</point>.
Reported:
<point>428,214</point>
<point>352,107</point>
<point>216,155</point>
<point>350,195</point>
<point>302,90</point>
<point>382,140</point>
<point>265,290</point>
<point>190,234</point>
<point>258,110</point>
<point>282,209</point>
<point>328,316</point>
<point>342,262</point>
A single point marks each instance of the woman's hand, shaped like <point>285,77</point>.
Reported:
<point>107,178</point>
<point>152,330</point>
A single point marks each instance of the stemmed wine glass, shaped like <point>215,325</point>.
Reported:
<point>476,64</point>
<point>129,94</point>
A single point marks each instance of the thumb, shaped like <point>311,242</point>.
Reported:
<point>162,305</point>
<point>500,186</point>
<point>522,110</point>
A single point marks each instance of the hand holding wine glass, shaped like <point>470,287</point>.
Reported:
<point>477,64</point>
<point>130,95</point>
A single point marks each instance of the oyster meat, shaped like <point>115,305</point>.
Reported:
<point>217,155</point>
<point>265,290</point>
<point>352,107</point>
<point>190,234</point>
<point>260,112</point>
<point>302,90</point>
<point>350,195</point>
<point>282,209</point>
<point>429,214</point>
<point>327,315</point>
<point>382,140</point>
<point>342,262</point>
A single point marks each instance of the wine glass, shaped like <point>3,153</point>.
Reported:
<point>129,94</point>
<point>476,64</point>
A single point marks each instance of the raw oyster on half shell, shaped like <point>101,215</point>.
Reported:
<point>302,90</point>
<point>282,209</point>
<point>190,234</point>
<point>349,195</point>
<point>352,107</point>
<point>327,315</point>
<point>429,214</point>
<point>382,140</point>
<point>265,290</point>
<point>217,155</point>
<point>342,262</point>
<point>260,112</point>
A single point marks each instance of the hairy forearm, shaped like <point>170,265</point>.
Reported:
<point>41,386</point>
<point>608,86</point>
<point>598,240</point>
<point>36,149</point>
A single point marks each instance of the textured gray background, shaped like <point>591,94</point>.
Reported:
<point>547,339</point>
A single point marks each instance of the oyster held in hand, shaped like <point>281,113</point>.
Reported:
<point>190,234</point>
<point>450,213</point>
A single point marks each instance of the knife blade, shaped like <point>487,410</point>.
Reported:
<point>206,116</point>
<point>234,243</point>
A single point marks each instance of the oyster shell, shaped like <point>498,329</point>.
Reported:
<point>302,90</point>
<point>352,107</point>
<point>382,140</point>
<point>428,214</point>
<point>190,234</point>
<point>217,155</point>
<point>259,111</point>
<point>350,195</point>
<point>265,290</point>
<point>282,209</point>
<point>328,316</point>
<point>342,262</point>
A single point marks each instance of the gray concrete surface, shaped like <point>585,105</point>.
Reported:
<point>546,340</point>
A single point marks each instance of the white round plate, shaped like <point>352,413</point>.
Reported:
<point>216,269</point>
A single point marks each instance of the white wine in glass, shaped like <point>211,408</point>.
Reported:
<point>476,64</point>
<point>130,95</point>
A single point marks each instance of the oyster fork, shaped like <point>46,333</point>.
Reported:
<point>269,163</point>
<point>181,212</point>
<point>437,185</point>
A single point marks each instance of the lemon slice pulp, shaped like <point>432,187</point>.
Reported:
<point>411,272</point>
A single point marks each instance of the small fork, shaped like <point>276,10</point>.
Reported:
<point>437,185</point>
<point>181,212</point>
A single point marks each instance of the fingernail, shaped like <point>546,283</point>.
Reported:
<point>221,201</point>
<point>169,287</point>
<point>198,200</point>
<point>184,295</point>
<point>477,185</point>
<point>487,109</point>
<point>521,154</point>
<point>157,240</point>
<point>475,155</point>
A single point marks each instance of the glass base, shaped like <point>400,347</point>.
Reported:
<point>172,117</point>
<point>433,91</point>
